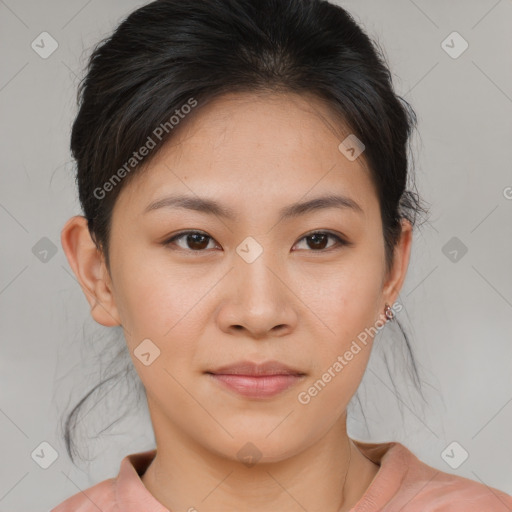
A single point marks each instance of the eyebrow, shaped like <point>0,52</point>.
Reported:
<point>212,207</point>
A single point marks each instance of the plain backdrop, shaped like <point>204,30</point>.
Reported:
<point>457,297</point>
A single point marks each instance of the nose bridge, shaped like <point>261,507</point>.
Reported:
<point>259,300</point>
<point>257,284</point>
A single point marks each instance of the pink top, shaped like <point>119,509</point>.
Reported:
<point>403,483</point>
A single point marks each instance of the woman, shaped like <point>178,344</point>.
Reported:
<point>242,168</point>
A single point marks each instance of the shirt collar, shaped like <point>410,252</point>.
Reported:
<point>131,494</point>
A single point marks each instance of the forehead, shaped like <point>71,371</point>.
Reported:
<point>249,150</point>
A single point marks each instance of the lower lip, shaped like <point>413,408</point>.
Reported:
<point>263,386</point>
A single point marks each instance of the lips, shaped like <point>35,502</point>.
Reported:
<point>254,380</point>
<point>254,369</point>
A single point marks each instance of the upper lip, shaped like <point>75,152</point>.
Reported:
<point>251,368</point>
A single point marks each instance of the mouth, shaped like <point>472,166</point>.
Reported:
<point>254,380</point>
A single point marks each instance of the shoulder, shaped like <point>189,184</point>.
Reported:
<point>406,483</point>
<point>431,489</point>
<point>452,493</point>
<point>98,497</point>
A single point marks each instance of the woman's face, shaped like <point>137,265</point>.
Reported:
<point>256,286</point>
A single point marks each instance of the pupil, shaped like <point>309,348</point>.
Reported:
<point>315,239</point>
<point>195,243</point>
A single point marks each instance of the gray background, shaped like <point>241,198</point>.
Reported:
<point>457,312</point>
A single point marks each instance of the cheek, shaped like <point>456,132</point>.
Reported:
<point>158,303</point>
<point>348,306</point>
<point>166,311</point>
<point>347,300</point>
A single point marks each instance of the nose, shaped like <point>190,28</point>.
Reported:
<point>258,300</point>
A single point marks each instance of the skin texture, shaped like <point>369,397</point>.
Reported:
<point>299,303</point>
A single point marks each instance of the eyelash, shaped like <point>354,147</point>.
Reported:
<point>340,241</point>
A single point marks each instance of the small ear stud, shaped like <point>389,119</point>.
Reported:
<point>388,312</point>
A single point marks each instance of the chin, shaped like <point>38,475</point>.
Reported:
<point>251,446</point>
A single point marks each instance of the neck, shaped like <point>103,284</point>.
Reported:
<point>330,475</point>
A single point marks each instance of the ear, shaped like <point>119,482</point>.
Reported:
<point>88,264</point>
<point>397,274</point>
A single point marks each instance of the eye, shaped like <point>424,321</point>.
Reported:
<point>318,240</point>
<point>195,241</point>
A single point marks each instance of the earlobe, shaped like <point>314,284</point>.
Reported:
<point>88,265</point>
<point>398,272</point>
